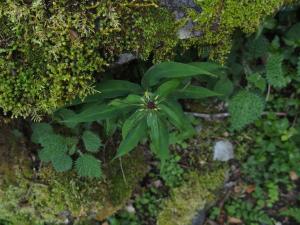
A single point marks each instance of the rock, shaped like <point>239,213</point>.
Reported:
<point>223,151</point>
<point>188,202</point>
<point>48,197</point>
<point>180,4</point>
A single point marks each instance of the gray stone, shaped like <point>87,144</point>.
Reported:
<point>180,4</point>
<point>223,151</point>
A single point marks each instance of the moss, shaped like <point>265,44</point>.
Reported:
<point>48,197</point>
<point>220,19</point>
<point>51,51</point>
<point>194,195</point>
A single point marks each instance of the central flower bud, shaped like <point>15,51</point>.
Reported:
<point>151,105</point>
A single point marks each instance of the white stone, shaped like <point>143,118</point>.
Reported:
<point>223,151</point>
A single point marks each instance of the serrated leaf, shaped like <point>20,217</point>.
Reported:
<point>257,47</point>
<point>293,34</point>
<point>159,136</point>
<point>245,108</point>
<point>275,75</point>
<point>71,142</point>
<point>40,132</point>
<point>132,139</point>
<point>91,141</point>
<point>88,166</point>
<point>257,81</point>
<point>168,70</point>
<point>62,163</point>
<point>132,122</point>
<point>195,92</point>
<point>167,88</point>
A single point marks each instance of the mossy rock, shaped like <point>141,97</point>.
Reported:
<point>51,51</point>
<point>47,197</point>
<point>188,200</point>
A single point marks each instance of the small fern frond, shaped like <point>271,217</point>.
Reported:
<point>275,74</point>
<point>245,108</point>
<point>292,212</point>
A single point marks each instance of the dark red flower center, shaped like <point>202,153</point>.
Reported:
<point>151,105</point>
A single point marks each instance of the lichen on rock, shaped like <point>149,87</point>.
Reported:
<point>38,198</point>
<point>188,200</point>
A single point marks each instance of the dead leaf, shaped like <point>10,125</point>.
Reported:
<point>250,189</point>
<point>234,220</point>
<point>294,176</point>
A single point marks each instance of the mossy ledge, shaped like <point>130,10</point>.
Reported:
<point>186,201</point>
<point>51,51</point>
<point>48,197</point>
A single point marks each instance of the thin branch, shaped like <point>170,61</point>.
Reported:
<point>218,116</point>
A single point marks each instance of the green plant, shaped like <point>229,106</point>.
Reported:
<point>61,150</point>
<point>171,172</point>
<point>124,218</point>
<point>248,213</point>
<point>293,213</point>
<point>147,111</point>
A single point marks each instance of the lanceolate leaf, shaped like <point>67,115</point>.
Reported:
<point>159,135</point>
<point>195,92</point>
<point>167,88</point>
<point>131,122</point>
<point>132,139</point>
<point>97,112</point>
<point>167,70</point>
<point>91,141</point>
<point>211,67</point>
<point>175,117</point>
<point>117,88</point>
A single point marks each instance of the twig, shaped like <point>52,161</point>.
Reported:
<point>217,116</point>
<point>123,174</point>
<point>269,92</point>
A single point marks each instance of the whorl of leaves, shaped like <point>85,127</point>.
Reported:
<point>245,108</point>
<point>275,74</point>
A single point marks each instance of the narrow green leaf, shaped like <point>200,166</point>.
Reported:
<point>167,70</point>
<point>62,163</point>
<point>159,136</point>
<point>88,166</point>
<point>64,114</point>
<point>167,88</point>
<point>91,141</point>
<point>195,92</point>
<point>117,88</point>
<point>132,139</point>
<point>97,112</point>
<point>214,68</point>
<point>131,122</point>
<point>177,119</point>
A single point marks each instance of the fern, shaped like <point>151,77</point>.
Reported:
<point>57,150</point>
<point>292,212</point>
<point>245,108</point>
<point>275,75</point>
